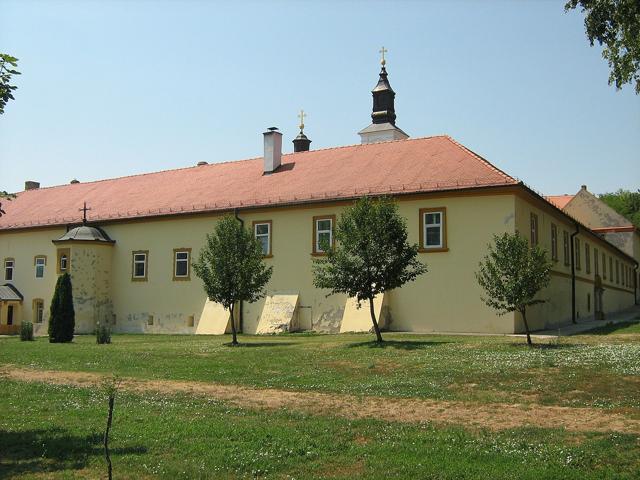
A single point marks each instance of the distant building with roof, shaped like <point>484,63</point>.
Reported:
<point>129,249</point>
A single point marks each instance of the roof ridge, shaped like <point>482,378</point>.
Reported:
<point>225,162</point>
<point>481,159</point>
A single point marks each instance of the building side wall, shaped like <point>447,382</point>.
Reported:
<point>557,310</point>
<point>23,246</point>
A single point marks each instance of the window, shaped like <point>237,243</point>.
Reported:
<point>577,252</point>
<point>139,266</point>
<point>322,233</point>
<point>554,242</point>
<point>611,269</point>
<point>9,264</point>
<point>604,266</point>
<point>64,263</point>
<point>534,229</point>
<point>38,310</point>
<point>39,263</point>
<point>433,229</point>
<point>617,272</point>
<point>565,246</point>
<point>587,257</point>
<point>182,264</point>
<point>596,262</point>
<point>262,232</point>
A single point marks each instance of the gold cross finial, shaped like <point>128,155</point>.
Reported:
<point>383,62</point>
<point>301,116</point>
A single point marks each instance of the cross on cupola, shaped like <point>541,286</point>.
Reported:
<point>84,211</point>
<point>301,143</point>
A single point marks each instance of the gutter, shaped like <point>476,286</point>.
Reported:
<point>241,316</point>
<point>573,273</point>
<point>635,284</point>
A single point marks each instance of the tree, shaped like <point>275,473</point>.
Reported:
<point>7,70</point>
<point>231,267</point>
<point>512,274</point>
<point>63,318</point>
<point>372,255</point>
<point>626,203</point>
<point>616,25</point>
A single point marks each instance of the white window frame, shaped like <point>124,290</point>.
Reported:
<point>176,260</point>
<point>318,248</point>
<point>40,262</point>
<point>143,262</point>
<point>65,259</point>
<point>426,227</point>
<point>259,235</point>
<point>9,266</point>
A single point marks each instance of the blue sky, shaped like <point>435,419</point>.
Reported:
<point>113,88</point>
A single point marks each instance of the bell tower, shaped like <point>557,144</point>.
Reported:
<point>383,127</point>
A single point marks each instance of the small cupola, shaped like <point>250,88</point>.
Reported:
<point>301,143</point>
<point>383,127</point>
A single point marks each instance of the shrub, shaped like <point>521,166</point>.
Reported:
<point>62,320</point>
<point>103,334</point>
<point>26,331</point>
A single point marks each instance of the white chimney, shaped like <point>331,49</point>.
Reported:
<point>272,150</point>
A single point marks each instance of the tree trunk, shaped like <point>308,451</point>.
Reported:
<point>375,322</point>
<point>233,326</point>
<point>526,326</point>
<point>106,436</point>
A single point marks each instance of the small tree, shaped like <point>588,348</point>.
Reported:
<point>62,320</point>
<point>110,389</point>
<point>231,267</point>
<point>512,274</point>
<point>372,255</point>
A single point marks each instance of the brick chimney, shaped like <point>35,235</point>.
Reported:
<point>31,185</point>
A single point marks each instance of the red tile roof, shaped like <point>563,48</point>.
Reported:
<point>403,166</point>
<point>560,201</point>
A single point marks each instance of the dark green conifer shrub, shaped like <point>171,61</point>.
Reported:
<point>62,320</point>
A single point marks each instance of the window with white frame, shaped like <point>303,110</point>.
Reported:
<point>433,229</point>
<point>139,267</point>
<point>38,310</point>
<point>9,265</point>
<point>181,261</point>
<point>262,232</point>
<point>323,233</point>
<point>40,263</point>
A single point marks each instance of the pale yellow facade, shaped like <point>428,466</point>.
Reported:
<point>446,299</point>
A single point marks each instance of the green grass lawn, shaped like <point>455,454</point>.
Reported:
<point>55,432</point>
<point>580,371</point>
<point>52,431</point>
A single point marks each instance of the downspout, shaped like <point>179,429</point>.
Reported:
<point>573,274</point>
<point>241,316</point>
<point>635,284</point>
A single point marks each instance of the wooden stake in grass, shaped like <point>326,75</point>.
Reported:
<point>110,388</point>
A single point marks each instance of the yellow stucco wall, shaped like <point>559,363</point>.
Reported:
<point>557,311</point>
<point>447,298</point>
<point>23,246</point>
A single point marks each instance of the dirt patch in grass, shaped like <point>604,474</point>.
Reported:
<point>494,416</point>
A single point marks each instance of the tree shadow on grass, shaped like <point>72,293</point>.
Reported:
<point>399,344</point>
<point>545,346</point>
<point>609,328</point>
<point>260,344</point>
<point>50,450</point>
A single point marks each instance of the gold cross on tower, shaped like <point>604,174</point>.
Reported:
<point>84,211</point>
<point>383,62</point>
<point>301,116</point>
